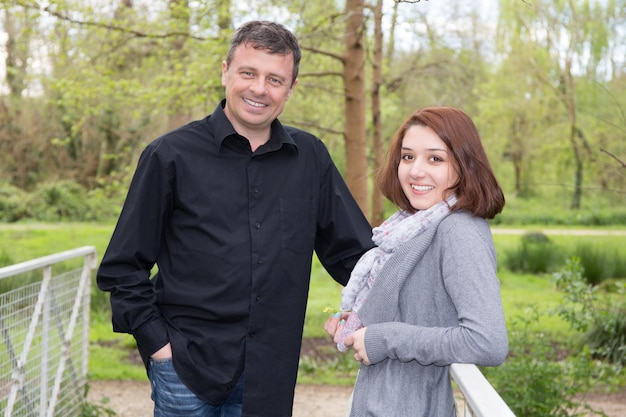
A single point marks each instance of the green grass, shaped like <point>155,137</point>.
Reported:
<point>112,356</point>
<point>24,241</point>
<point>109,352</point>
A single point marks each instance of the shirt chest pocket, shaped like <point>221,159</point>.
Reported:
<point>297,225</point>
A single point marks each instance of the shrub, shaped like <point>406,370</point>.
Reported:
<point>536,254</point>
<point>601,319</point>
<point>11,203</point>
<point>599,263</point>
<point>607,338</point>
<point>536,380</point>
<point>58,201</point>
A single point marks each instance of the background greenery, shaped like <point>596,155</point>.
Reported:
<point>89,83</point>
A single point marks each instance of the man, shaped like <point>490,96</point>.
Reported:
<point>230,208</point>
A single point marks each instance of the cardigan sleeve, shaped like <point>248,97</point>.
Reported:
<point>468,323</point>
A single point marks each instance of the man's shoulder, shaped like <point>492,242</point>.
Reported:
<point>199,126</point>
<point>190,131</point>
<point>300,135</point>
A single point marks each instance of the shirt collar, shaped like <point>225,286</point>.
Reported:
<point>223,128</point>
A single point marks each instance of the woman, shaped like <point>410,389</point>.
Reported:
<point>428,295</point>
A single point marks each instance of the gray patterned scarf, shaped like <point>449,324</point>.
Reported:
<point>401,227</point>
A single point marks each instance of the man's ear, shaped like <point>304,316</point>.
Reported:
<point>224,71</point>
<point>292,88</point>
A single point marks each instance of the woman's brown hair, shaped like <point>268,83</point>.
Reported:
<point>477,189</point>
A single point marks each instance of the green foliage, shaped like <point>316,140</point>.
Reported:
<point>601,318</point>
<point>58,201</point>
<point>106,92</point>
<point>600,262</point>
<point>550,211</point>
<point>537,379</point>
<point>536,254</point>
<point>607,338</point>
<point>579,298</point>
<point>11,203</point>
<point>63,200</point>
<point>546,375</point>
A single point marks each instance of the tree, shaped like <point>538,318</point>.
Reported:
<point>378,208</point>
<point>569,38</point>
<point>355,105</point>
<point>18,26</point>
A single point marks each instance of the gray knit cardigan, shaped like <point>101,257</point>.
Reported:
<point>435,302</point>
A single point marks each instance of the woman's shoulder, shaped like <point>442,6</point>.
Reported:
<point>464,216</point>
<point>463,221</point>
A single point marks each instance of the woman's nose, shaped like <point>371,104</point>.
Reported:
<point>417,169</point>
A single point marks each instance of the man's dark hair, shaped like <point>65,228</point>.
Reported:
<point>268,36</point>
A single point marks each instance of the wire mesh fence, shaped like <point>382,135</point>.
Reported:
<point>44,328</point>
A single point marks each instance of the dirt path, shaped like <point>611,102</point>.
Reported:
<point>132,399</point>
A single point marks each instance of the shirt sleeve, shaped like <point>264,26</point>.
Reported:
<point>480,337</point>
<point>132,252</point>
<point>343,232</point>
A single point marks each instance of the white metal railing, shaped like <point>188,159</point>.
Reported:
<point>44,327</point>
<point>480,399</point>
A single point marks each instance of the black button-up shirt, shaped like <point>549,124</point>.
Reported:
<point>233,233</point>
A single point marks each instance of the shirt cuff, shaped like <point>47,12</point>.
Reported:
<point>151,336</point>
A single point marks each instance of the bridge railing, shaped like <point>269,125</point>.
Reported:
<point>479,398</point>
<point>44,333</point>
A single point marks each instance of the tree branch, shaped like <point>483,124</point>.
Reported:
<point>338,57</point>
<point>107,26</point>
<point>622,163</point>
<point>321,74</point>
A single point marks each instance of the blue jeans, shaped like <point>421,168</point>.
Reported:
<point>172,398</point>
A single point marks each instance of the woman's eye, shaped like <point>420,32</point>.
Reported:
<point>407,157</point>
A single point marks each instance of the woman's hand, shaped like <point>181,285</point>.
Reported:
<point>357,342</point>
<point>334,324</point>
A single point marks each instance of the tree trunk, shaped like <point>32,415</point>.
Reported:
<point>180,15</point>
<point>579,169</point>
<point>354,88</point>
<point>378,208</point>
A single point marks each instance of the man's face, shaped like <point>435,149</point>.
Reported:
<point>257,85</point>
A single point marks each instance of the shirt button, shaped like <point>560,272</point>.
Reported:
<point>252,334</point>
<point>257,225</point>
<point>260,261</point>
<point>258,298</point>
<point>255,190</point>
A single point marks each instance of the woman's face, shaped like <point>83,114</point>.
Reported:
<point>426,168</point>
